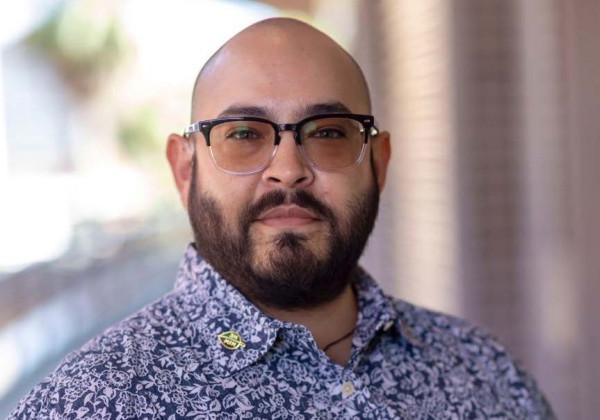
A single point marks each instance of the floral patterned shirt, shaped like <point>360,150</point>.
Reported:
<point>204,351</point>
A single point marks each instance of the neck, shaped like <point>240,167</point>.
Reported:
<point>327,322</point>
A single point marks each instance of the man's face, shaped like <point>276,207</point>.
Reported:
<point>289,236</point>
<point>289,267</point>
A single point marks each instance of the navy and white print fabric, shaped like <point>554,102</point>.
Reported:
<point>170,361</point>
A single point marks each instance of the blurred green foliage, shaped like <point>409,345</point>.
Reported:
<point>138,134</point>
<point>85,40</point>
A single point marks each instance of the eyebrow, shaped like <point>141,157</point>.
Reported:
<point>244,111</point>
<point>326,108</point>
<point>240,110</point>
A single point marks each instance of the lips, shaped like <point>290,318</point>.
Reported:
<point>290,215</point>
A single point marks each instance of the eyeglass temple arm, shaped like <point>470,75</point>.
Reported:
<point>373,131</point>
<point>190,129</point>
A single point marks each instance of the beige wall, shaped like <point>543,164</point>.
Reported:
<point>582,74</point>
<point>491,208</point>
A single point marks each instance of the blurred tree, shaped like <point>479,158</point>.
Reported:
<point>138,134</point>
<point>85,41</point>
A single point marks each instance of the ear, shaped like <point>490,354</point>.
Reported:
<point>180,154</point>
<point>381,150</point>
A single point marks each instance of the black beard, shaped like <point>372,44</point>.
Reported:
<point>294,277</point>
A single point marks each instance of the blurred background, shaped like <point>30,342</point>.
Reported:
<point>490,213</point>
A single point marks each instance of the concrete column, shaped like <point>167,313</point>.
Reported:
<point>419,115</point>
<point>581,56</point>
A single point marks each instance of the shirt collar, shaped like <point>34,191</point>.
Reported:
<point>376,311</point>
<point>226,309</point>
<point>379,312</point>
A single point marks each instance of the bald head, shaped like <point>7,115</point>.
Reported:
<point>278,45</point>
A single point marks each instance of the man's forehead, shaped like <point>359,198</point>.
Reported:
<point>286,62</point>
<point>278,93</point>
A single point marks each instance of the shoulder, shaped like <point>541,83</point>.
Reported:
<point>466,352</point>
<point>121,370</point>
<point>433,328</point>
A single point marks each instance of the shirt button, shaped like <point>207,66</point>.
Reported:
<point>347,389</point>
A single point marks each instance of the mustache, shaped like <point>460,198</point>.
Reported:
<point>300,198</point>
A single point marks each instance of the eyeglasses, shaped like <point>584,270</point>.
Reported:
<point>247,145</point>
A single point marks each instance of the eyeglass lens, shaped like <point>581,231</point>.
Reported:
<point>246,146</point>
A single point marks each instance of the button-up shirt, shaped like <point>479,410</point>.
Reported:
<point>205,351</point>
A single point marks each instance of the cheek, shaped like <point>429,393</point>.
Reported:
<point>232,193</point>
<point>346,196</point>
<point>233,200</point>
<point>341,189</point>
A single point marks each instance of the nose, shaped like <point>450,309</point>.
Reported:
<point>288,169</point>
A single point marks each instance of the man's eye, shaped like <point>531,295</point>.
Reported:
<point>328,133</point>
<point>243,134</point>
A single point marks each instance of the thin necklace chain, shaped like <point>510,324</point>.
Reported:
<point>342,338</point>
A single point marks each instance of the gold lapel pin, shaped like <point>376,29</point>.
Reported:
<point>231,340</point>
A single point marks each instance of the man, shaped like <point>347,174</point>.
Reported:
<point>280,172</point>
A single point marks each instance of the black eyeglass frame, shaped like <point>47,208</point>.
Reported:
<point>205,127</point>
